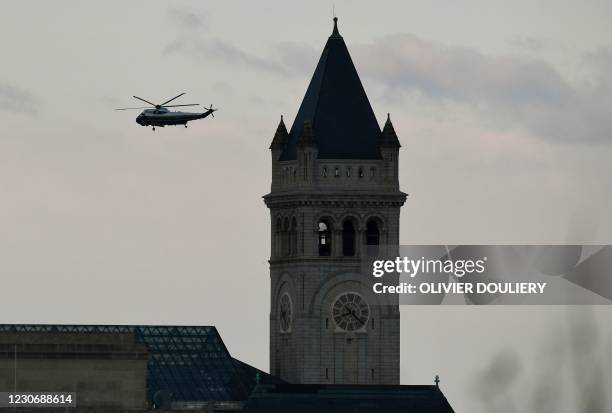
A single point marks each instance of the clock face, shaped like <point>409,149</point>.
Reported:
<point>350,312</point>
<point>285,313</point>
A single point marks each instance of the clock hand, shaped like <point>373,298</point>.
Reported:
<point>357,318</point>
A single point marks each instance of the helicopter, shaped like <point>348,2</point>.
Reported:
<point>161,116</point>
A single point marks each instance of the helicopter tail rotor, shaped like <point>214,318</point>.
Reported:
<point>209,111</point>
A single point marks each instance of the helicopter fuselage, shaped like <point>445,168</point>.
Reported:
<point>163,117</point>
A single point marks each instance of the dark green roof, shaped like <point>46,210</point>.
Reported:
<point>336,104</point>
<point>346,398</point>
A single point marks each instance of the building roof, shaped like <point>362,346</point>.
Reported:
<point>186,363</point>
<point>336,104</point>
<point>341,398</point>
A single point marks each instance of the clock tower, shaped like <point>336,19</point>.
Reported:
<point>334,198</point>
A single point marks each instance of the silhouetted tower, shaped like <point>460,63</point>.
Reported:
<point>334,197</point>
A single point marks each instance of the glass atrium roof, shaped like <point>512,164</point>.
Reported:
<point>186,363</point>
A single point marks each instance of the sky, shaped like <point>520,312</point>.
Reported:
<point>503,109</point>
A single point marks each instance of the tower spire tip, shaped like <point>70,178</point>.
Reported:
<point>335,32</point>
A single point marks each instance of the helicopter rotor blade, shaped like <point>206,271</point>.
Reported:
<point>152,104</point>
<point>174,106</point>
<point>143,107</point>
<point>168,101</point>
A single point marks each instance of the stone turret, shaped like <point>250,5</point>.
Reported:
<point>279,142</point>
<point>388,137</point>
<point>389,150</point>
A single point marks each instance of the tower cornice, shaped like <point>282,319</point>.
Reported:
<point>319,199</point>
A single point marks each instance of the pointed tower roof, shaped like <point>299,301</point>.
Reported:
<point>388,136</point>
<point>281,136</point>
<point>338,108</point>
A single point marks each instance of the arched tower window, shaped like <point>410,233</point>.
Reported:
<point>285,238</point>
<point>293,236</point>
<point>372,237</point>
<point>325,238</point>
<point>348,238</point>
<point>278,231</point>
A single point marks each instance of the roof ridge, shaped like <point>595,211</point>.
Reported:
<point>334,36</point>
<point>318,91</point>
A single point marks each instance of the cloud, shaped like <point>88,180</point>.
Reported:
<point>223,51</point>
<point>16,100</point>
<point>494,384</point>
<point>531,44</point>
<point>599,65</point>
<point>569,355</point>
<point>211,47</point>
<point>298,58</point>
<point>527,93</point>
<point>524,94</point>
<point>190,20</point>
